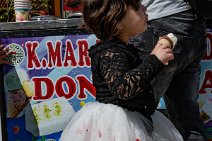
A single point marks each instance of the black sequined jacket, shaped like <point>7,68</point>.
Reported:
<point>122,78</point>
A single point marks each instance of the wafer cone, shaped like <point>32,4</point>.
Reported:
<point>14,110</point>
<point>17,101</point>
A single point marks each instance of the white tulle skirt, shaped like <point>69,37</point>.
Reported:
<point>108,122</point>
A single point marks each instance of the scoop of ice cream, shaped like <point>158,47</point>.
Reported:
<point>173,38</point>
<point>168,40</point>
<point>28,88</point>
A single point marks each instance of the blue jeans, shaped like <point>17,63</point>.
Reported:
<point>178,82</point>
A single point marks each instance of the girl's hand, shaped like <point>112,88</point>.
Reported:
<point>4,53</point>
<point>163,51</point>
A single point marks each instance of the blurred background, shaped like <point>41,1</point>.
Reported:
<point>43,8</point>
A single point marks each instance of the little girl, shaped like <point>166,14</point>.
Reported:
<point>125,109</point>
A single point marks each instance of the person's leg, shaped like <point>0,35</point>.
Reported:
<point>191,34</point>
<point>184,88</point>
<point>182,103</point>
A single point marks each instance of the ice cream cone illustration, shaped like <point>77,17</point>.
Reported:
<point>19,92</point>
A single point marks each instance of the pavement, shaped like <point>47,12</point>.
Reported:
<point>195,136</point>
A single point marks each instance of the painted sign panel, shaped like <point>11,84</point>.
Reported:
<point>48,80</point>
<point>205,97</point>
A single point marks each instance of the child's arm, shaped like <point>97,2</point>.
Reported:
<point>4,53</point>
<point>121,79</point>
<point>126,82</point>
<point>169,40</point>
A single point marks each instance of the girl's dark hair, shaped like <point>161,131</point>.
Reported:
<point>102,17</point>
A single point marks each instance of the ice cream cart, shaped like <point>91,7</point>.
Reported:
<point>49,78</point>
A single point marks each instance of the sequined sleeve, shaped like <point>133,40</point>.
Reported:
<point>121,79</point>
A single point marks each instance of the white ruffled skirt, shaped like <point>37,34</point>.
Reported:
<point>107,122</point>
